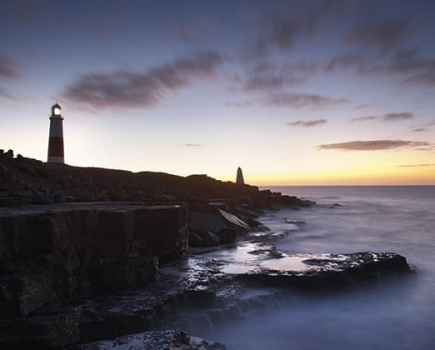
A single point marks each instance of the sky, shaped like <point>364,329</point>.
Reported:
<point>330,92</point>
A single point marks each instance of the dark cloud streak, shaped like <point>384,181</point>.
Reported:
<point>301,100</point>
<point>407,64</point>
<point>364,119</point>
<point>4,93</point>
<point>141,89</point>
<point>373,145</point>
<point>292,100</point>
<point>423,165</point>
<point>290,23</point>
<point>388,117</point>
<point>9,68</point>
<point>271,77</point>
<point>392,117</point>
<point>308,123</point>
<point>385,35</point>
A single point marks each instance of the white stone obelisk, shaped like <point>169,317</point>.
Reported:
<point>239,179</point>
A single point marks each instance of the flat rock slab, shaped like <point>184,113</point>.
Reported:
<point>155,340</point>
<point>61,207</point>
<point>268,266</point>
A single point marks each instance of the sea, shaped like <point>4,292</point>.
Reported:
<point>391,314</point>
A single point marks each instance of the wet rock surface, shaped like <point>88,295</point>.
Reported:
<point>156,340</point>
<point>334,271</point>
<point>52,257</point>
<point>206,287</point>
<point>218,284</point>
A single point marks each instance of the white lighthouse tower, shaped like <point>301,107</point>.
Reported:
<point>55,140</point>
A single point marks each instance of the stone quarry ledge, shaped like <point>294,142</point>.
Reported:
<point>62,207</point>
<point>54,254</point>
<point>154,340</point>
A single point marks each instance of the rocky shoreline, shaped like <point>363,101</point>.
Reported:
<point>91,254</point>
<point>156,340</point>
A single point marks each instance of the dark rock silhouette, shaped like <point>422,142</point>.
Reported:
<point>28,181</point>
<point>239,179</point>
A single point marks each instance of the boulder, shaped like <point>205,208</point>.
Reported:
<point>214,227</point>
<point>9,154</point>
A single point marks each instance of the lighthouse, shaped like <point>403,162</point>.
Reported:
<point>55,140</point>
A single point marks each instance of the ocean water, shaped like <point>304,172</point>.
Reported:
<point>391,314</point>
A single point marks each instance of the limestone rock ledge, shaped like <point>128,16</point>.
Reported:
<point>56,254</point>
<point>155,340</point>
<point>270,267</point>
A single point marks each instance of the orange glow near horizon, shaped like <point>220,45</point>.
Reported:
<point>291,159</point>
<point>409,179</point>
<point>384,168</point>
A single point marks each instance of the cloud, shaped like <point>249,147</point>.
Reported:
<point>5,94</point>
<point>385,36</point>
<point>270,77</point>
<point>300,100</point>
<point>193,145</point>
<point>428,148</point>
<point>267,77</point>
<point>364,119</point>
<point>347,61</point>
<point>406,64</point>
<point>241,104</point>
<point>373,145</point>
<point>427,79</point>
<point>9,68</point>
<point>424,127</point>
<point>141,89</point>
<point>289,23</point>
<point>308,123</point>
<point>419,129</point>
<point>388,117</point>
<point>282,34</point>
<point>392,117</point>
<point>285,27</point>
<point>362,106</point>
<point>291,100</point>
<point>424,165</point>
<point>418,70</point>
